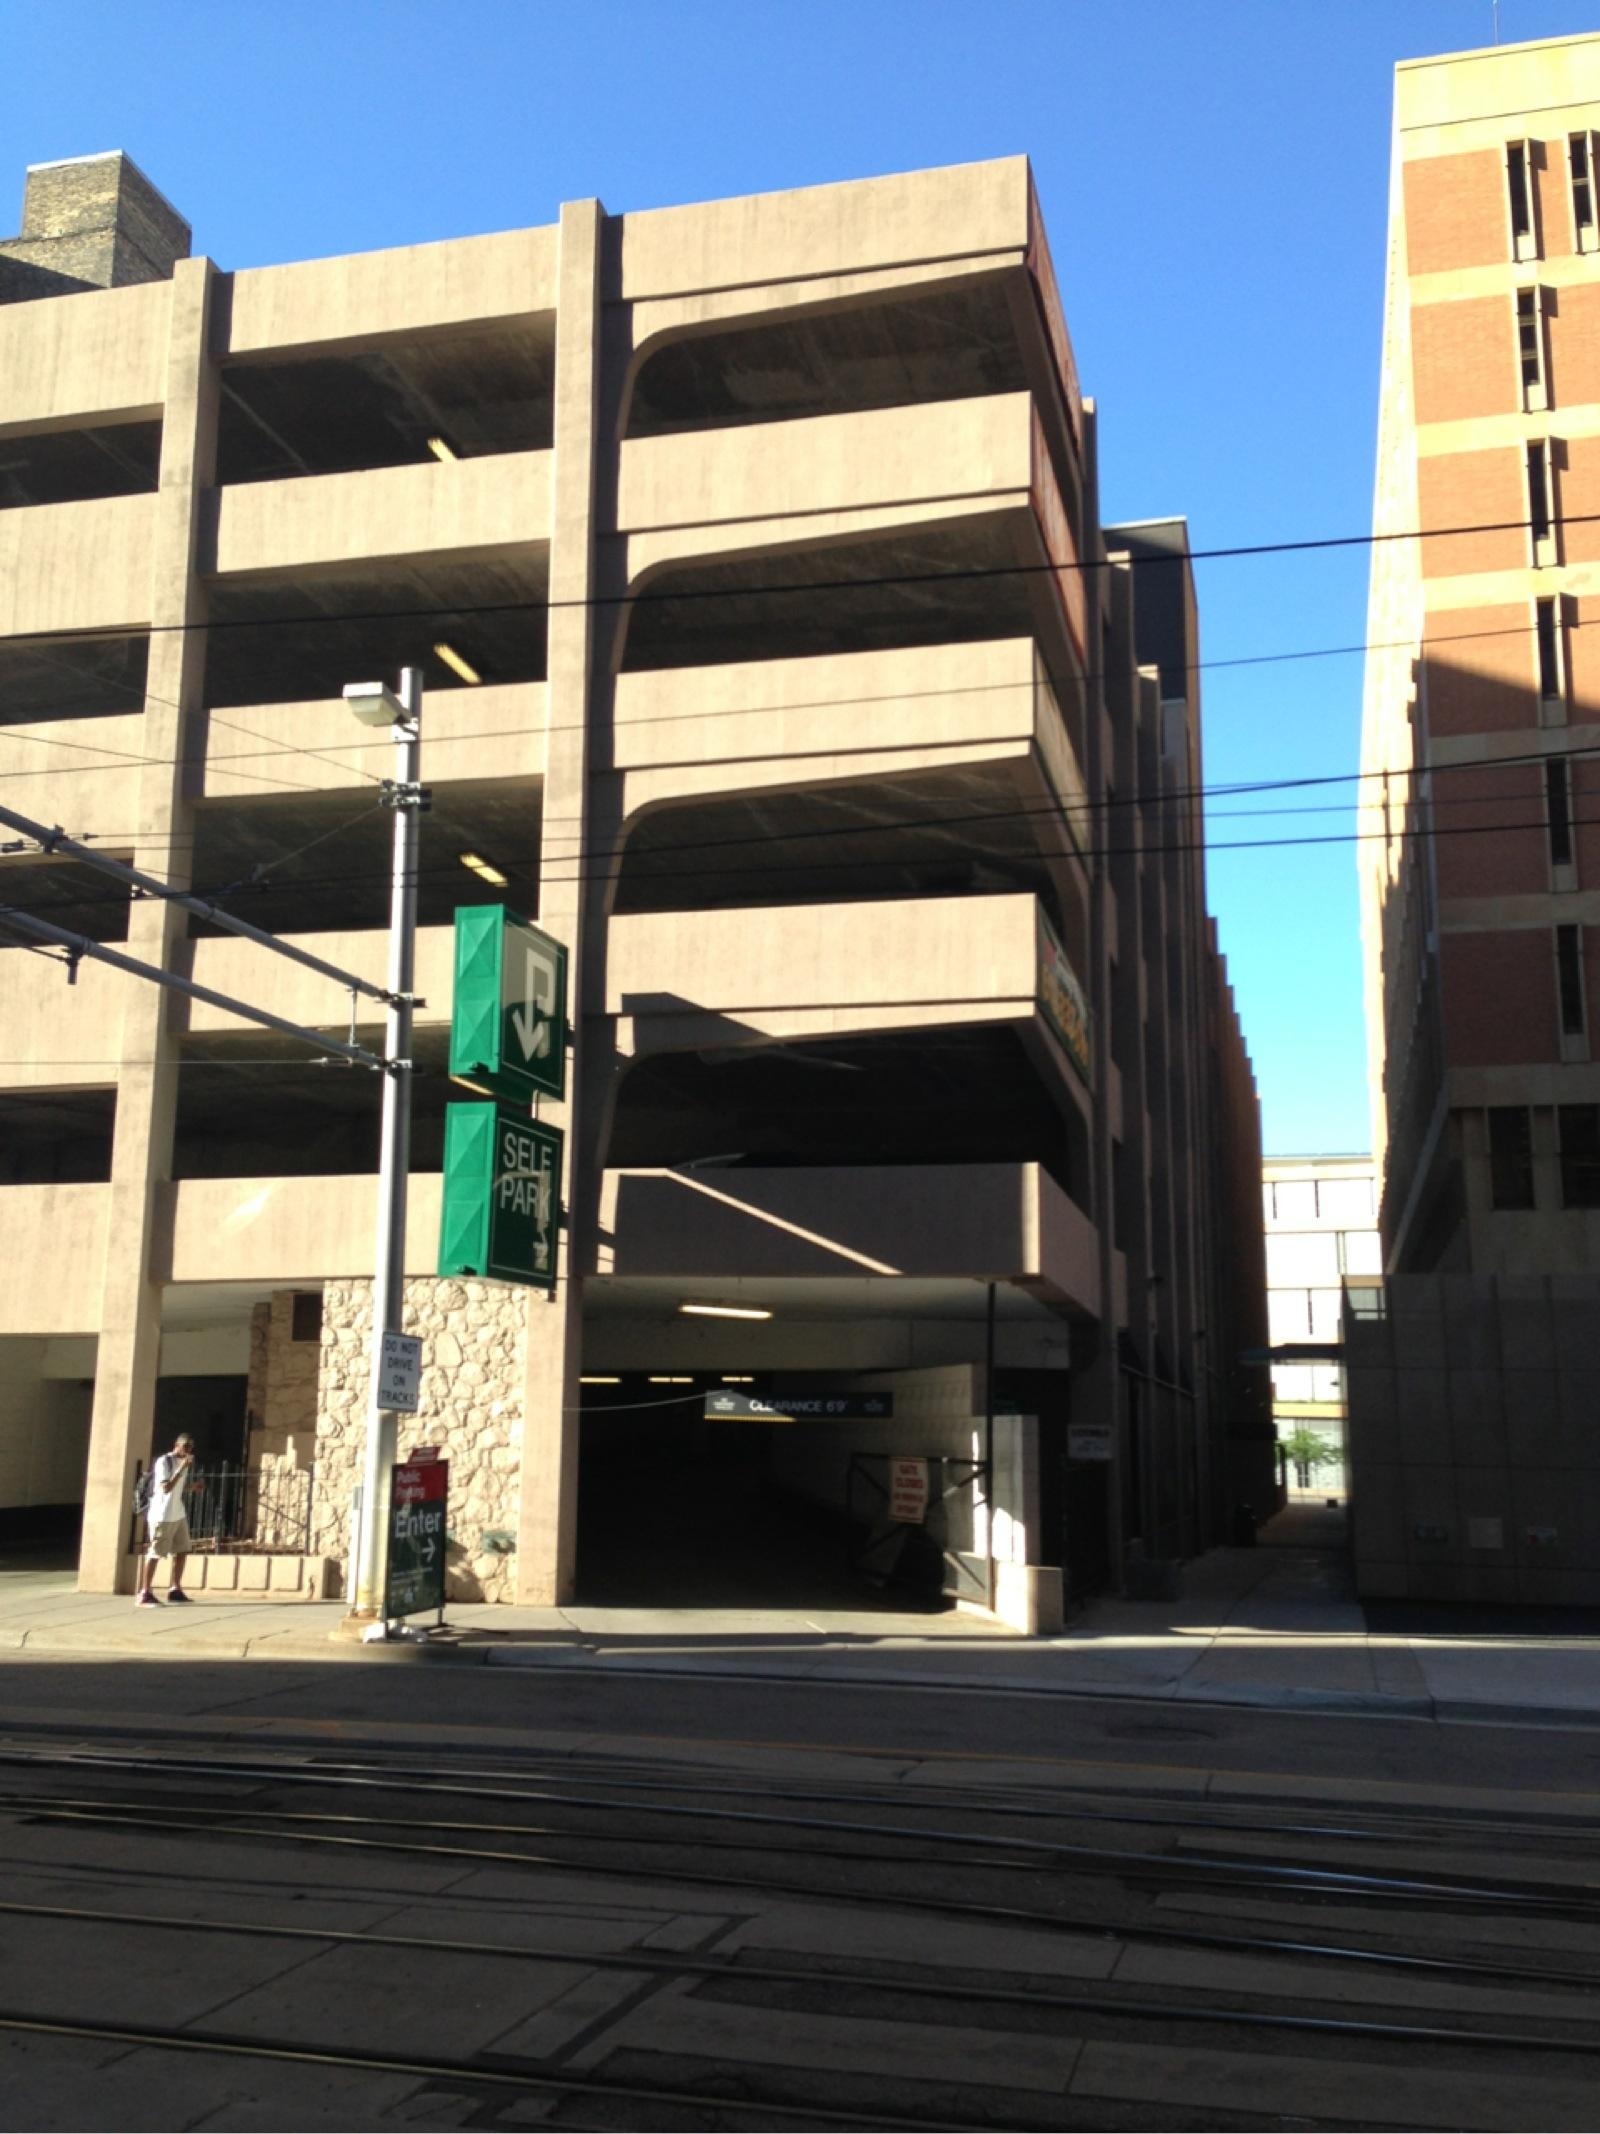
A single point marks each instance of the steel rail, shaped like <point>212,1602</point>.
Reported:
<point>1070,2003</point>
<point>422,1778</point>
<point>1463,1967</point>
<point>682,1778</point>
<point>1166,1866</point>
<point>538,2075</point>
<point>321,1770</point>
<point>1166,1869</point>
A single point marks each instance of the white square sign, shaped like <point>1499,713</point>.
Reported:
<point>400,1373</point>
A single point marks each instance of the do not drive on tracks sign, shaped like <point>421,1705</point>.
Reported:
<point>418,1496</point>
<point>400,1373</point>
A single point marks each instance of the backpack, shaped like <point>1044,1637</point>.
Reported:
<point>141,1491</point>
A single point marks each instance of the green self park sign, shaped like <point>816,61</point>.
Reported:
<point>502,1195</point>
<point>508,1037</point>
<point>508,1022</point>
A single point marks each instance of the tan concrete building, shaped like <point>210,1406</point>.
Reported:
<point>1481,868</point>
<point>1321,1217</point>
<point>777,662</point>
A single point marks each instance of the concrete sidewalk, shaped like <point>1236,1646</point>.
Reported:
<point>1275,1625</point>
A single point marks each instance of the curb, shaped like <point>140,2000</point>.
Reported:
<point>271,1645</point>
<point>572,1653</point>
<point>1269,1697</point>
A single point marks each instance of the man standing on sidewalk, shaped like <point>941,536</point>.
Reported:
<point>169,1522</point>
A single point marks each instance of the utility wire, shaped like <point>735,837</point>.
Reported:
<point>822,704</point>
<point>769,871</point>
<point>1086,805</point>
<point>967,575</point>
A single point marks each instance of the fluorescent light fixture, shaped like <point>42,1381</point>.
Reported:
<point>375,704</point>
<point>477,864</point>
<point>457,665</point>
<point>441,449</point>
<point>736,1381</point>
<point>599,1381</point>
<point>656,1380</point>
<point>725,1311</point>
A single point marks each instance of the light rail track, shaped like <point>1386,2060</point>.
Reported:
<point>1183,1869</point>
<point>696,2026</point>
<point>1119,2008</point>
<point>1063,1803</point>
<point>534,2076</point>
<point>1384,1829</point>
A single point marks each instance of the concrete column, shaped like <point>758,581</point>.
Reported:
<point>141,1157</point>
<point>548,1514</point>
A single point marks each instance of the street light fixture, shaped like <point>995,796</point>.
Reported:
<point>375,704</point>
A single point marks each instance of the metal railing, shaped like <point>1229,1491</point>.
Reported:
<point>245,1511</point>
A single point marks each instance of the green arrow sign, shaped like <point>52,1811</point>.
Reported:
<point>502,1195</point>
<point>508,1023</point>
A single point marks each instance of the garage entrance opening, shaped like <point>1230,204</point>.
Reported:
<point>679,1511</point>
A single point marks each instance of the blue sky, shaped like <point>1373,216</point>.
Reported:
<point>1214,176</point>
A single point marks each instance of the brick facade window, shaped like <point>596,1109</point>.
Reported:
<point>1581,164</point>
<point>306,1318</point>
<point>1552,668</point>
<point>1569,979</point>
<point>1519,188</point>
<point>1579,1128</point>
<point>1510,1156</point>
<point>1530,350</point>
<point>1540,528</point>
<point>1558,810</point>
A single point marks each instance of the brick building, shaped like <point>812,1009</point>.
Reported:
<point>1481,865</point>
<point>777,661</point>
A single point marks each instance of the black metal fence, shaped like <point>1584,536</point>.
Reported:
<point>243,1511</point>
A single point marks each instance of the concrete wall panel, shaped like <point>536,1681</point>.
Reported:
<point>819,230</point>
<point>954,448</point>
<point>471,505</point>
<point>289,1231</point>
<point>319,303</point>
<point>76,566</point>
<point>735,973</point>
<point>974,1221</point>
<point>486,733</point>
<point>78,357</point>
<point>55,1240</point>
<point>249,972</point>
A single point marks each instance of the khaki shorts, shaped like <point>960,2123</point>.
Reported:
<point>170,1538</point>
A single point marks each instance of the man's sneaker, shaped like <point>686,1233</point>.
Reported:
<point>178,1594</point>
<point>147,1600</point>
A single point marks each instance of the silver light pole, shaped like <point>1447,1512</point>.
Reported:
<point>375,705</point>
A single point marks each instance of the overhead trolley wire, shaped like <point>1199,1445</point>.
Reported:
<point>534,729</point>
<point>1114,559</point>
<point>766,871</point>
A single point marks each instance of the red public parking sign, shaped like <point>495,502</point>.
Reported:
<point>418,1494</point>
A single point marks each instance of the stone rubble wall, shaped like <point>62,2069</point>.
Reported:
<point>282,1404</point>
<point>474,1347</point>
<point>282,1395</point>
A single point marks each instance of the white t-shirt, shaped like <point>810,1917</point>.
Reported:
<point>166,1490</point>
